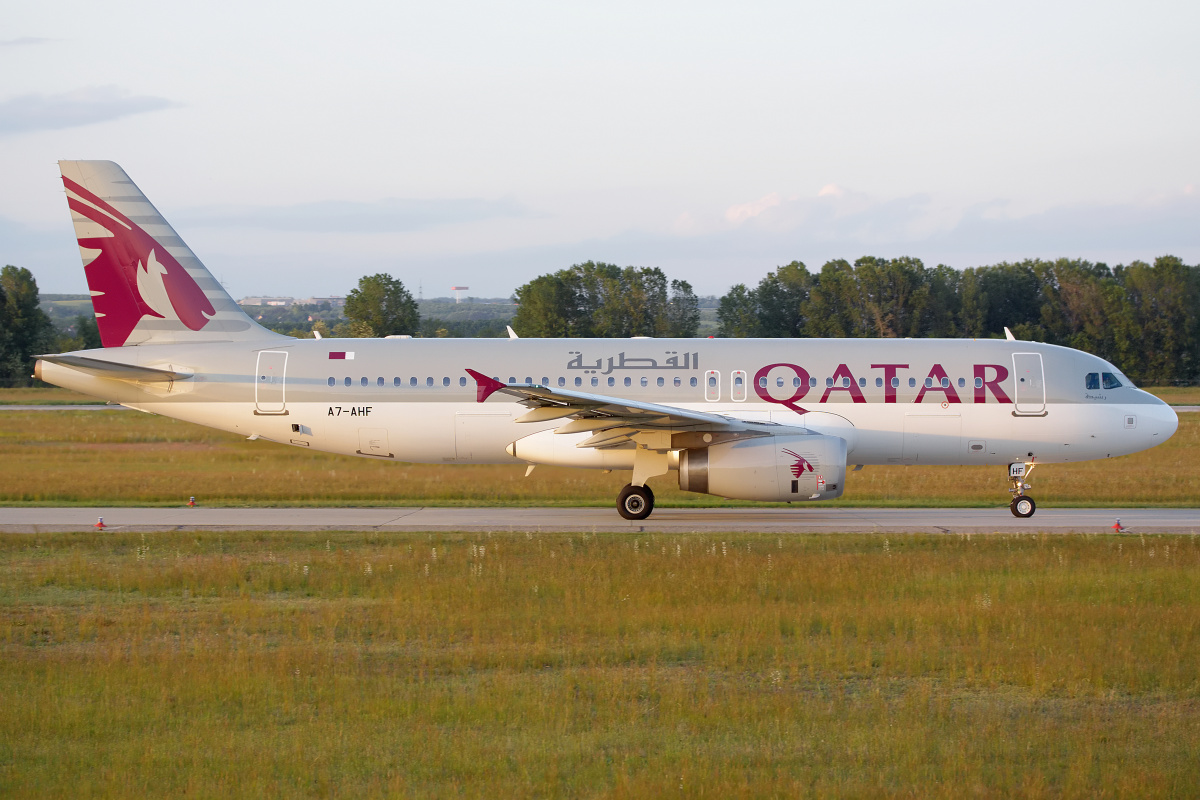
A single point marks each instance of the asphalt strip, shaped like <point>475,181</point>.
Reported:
<point>666,520</point>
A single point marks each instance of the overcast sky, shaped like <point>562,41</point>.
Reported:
<point>297,147</point>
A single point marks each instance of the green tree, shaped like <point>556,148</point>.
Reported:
<point>25,330</point>
<point>683,311</point>
<point>381,306</point>
<point>737,313</point>
<point>774,308</point>
<point>83,334</point>
<point>833,307</point>
<point>599,299</point>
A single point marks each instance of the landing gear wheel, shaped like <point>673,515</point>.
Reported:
<point>1023,506</point>
<point>635,502</point>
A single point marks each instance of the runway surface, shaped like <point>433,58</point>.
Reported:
<point>666,520</point>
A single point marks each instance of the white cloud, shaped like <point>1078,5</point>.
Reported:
<point>391,215</point>
<point>740,213</point>
<point>23,41</point>
<point>40,112</point>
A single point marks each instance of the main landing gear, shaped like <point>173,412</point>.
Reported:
<point>1022,505</point>
<point>635,502</point>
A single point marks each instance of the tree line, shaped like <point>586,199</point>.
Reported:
<point>1143,317</point>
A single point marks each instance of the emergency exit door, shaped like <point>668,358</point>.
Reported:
<point>269,378</point>
<point>1029,384</point>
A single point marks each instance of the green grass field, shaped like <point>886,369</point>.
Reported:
<point>358,665</point>
<point>127,458</point>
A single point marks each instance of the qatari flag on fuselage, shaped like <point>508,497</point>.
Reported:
<point>343,355</point>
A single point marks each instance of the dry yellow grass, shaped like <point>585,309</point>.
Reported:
<point>300,664</point>
<point>126,458</point>
<point>44,396</point>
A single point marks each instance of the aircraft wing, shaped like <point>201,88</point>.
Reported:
<point>615,421</point>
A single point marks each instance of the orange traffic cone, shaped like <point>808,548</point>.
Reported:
<point>1118,527</point>
<point>100,524</point>
<point>191,502</point>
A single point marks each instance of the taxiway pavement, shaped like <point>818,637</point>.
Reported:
<point>664,520</point>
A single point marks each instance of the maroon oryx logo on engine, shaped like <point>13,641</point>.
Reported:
<point>800,465</point>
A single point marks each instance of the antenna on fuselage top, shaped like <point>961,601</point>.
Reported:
<point>1008,335</point>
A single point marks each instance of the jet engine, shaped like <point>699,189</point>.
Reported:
<point>773,468</point>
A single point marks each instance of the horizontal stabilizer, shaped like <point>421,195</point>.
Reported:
<point>112,369</point>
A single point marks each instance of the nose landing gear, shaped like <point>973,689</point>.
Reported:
<point>1022,505</point>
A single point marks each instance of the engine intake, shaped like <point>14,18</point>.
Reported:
<point>772,468</point>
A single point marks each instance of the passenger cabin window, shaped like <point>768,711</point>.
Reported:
<point>912,383</point>
<point>445,381</point>
<point>563,381</point>
<point>348,381</point>
<point>379,383</point>
<point>737,388</point>
<point>628,381</point>
<point>595,381</point>
<point>692,383</point>
<point>1110,381</point>
<point>332,381</point>
<point>462,381</point>
<point>679,382</point>
<point>879,383</point>
<point>429,382</point>
<point>979,383</point>
<point>579,382</point>
<point>1092,382</point>
<point>661,382</point>
<point>362,382</point>
<point>612,381</point>
<point>413,381</point>
<point>646,381</point>
<point>396,382</point>
<point>896,382</point>
<point>962,383</point>
<point>812,383</point>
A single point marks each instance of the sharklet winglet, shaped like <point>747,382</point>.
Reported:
<point>485,387</point>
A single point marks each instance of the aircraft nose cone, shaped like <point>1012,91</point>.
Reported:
<point>1163,422</point>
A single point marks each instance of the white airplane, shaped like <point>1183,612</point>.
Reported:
<point>751,419</point>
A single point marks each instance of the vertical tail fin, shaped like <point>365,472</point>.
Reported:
<point>147,286</point>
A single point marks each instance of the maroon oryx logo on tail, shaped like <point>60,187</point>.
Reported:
<point>133,276</point>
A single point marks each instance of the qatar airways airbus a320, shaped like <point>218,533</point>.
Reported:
<point>752,419</point>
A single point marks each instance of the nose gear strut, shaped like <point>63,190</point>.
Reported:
<point>1022,505</point>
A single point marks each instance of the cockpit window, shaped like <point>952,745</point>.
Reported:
<point>1110,381</point>
<point>1093,381</point>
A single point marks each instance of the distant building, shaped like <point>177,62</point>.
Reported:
<point>336,302</point>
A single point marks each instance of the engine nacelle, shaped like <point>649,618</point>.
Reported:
<point>559,450</point>
<point>773,468</point>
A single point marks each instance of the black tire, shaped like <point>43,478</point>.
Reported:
<point>635,502</point>
<point>1023,506</point>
